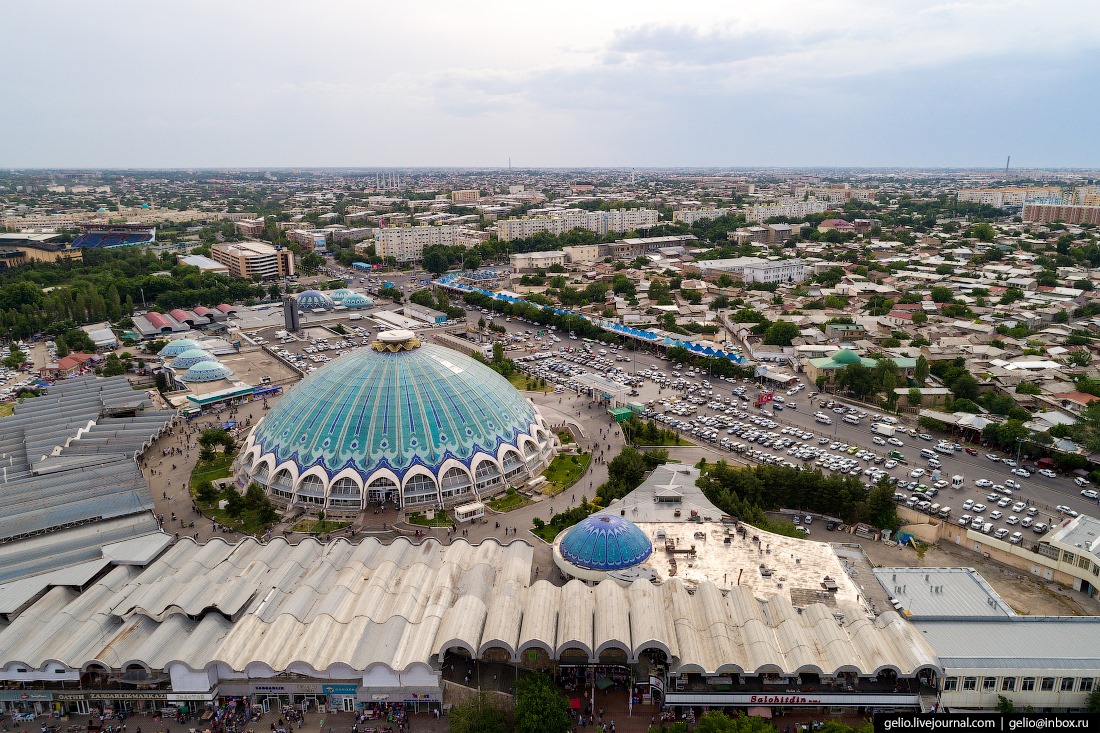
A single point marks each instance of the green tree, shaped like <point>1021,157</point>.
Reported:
<point>273,292</point>
<point>436,261</point>
<point>718,722</point>
<point>920,318</point>
<point>312,262</point>
<point>920,370</point>
<point>965,405</point>
<point>478,714</point>
<point>472,260</point>
<point>965,387</point>
<point>16,358</point>
<point>234,502</point>
<point>941,294</point>
<point>540,708</point>
<point>780,333</point>
<point>1092,702</point>
<point>915,397</point>
<point>1079,358</point>
<point>984,232</point>
<point>1004,705</point>
<point>206,492</point>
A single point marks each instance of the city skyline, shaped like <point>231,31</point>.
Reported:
<point>275,85</point>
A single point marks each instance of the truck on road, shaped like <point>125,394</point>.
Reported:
<point>896,456</point>
<point>883,429</point>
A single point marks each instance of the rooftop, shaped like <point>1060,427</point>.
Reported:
<point>942,592</point>
<point>1067,642</point>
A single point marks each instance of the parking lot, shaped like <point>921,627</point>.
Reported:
<point>319,345</point>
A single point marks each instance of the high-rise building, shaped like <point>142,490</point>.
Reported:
<point>406,244</point>
<point>250,259</point>
<point>690,216</point>
<point>467,196</point>
<point>601,222</point>
<point>1008,196</point>
<point>1066,214</point>
<point>791,209</point>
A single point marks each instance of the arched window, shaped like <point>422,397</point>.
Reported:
<point>420,489</point>
<point>513,466</point>
<point>282,485</point>
<point>345,494</point>
<point>456,482</point>
<point>260,475</point>
<point>486,474</point>
<point>311,490</point>
<point>381,489</point>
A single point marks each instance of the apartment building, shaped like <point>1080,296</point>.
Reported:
<point>1009,196</point>
<point>406,244</point>
<point>756,269</point>
<point>536,260</point>
<point>601,222</point>
<point>789,209</point>
<point>250,227</point>
<point>250,259</point>
<point>312,240</point>
<point>691,216</point>
<point>467,196</point>
<point>1067,214</point>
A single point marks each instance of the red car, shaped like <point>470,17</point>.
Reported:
<point>972,451</point>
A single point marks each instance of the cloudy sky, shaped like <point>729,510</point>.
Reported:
<point>596,83</point>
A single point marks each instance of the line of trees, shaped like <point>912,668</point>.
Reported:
<point>748,492</point>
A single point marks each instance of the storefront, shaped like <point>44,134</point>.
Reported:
<point>304,696</point>
<point>25,702</point>
<point>113,702</point>
<point>766,704</point>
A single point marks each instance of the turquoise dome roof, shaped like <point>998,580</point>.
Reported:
<point>339,295</point>
<point>356,300</point>
<point>207,371</point>
<point>311,299</point>
<point>191,357</point>
<point>177,347</point>
<point>846,356</point>
<point>605,542</point>
<point>395,409</point>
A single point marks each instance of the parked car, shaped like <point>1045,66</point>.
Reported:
<point>1048,473</point>
<point>1090,494</point>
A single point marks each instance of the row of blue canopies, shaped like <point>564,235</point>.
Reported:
<point>450,281</point>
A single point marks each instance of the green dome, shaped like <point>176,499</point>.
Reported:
<point>846,356</point>
<point>418,424</point>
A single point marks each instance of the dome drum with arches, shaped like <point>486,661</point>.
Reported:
<point>418,425</point>
<point>207,371</point>
<point>177,347</point>
<point>191,357</point>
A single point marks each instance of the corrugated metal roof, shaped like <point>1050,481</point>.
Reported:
<point>1050,640</point>
<point>942,592</point>
<point>406,604</point>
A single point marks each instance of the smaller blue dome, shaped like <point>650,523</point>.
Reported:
<point>605,542</point>
<point>311,299</point>
<point>339,295</point>
<point>177,347</point>
<point>190,358</point>
<point>207,371</point>
<point>355,300</point>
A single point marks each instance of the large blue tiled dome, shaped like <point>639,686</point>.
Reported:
<point>605,542</point>
<point>311,299</point>
<point>402,421</point>
<point>177,347</point>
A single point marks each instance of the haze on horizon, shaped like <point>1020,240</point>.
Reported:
<point>924,83</point>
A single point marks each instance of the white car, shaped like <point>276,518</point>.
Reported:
<point>1081,481</point>
<point>1009,462</point>
<point>1012,520</point>
<point>1048,473</point>
<point>1012,484</point>
<point>1065,510</point>
<point>878,441</point>
<point>1018,507</point>
<point>916,472</point>
<point>1021,473</point>
<point>992,457</point>
<point>890,464</point>
<point>996,514</point>
<point>983,483</point>
<point>1090,494</point>
<point>978,508</point>
<point>895,441</point>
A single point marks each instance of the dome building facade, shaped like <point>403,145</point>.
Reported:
<point>313,300</point>
<point>602,546</point>
<point>404,422</point>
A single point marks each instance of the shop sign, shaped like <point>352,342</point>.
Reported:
<point>111,695</point>
<point>340,689</point>
<point>657,683</point>
<point>421,697</point>
<point>290,688</point>
<point>378,697</point>
<point>192,696</point>
<point>795,699</point>
<point>26,696</point>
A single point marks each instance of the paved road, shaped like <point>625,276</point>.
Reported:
<point>1039,490</point>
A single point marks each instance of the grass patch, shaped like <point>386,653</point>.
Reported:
<point>211,470</point>
<point>249,522</point>
<point>508,502</point>
<point>441,519</point>
<point>565,437</point>
<point>7,408</point>
<point>564,471</point>
<point>521,381</point>
<point>316,526</point>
